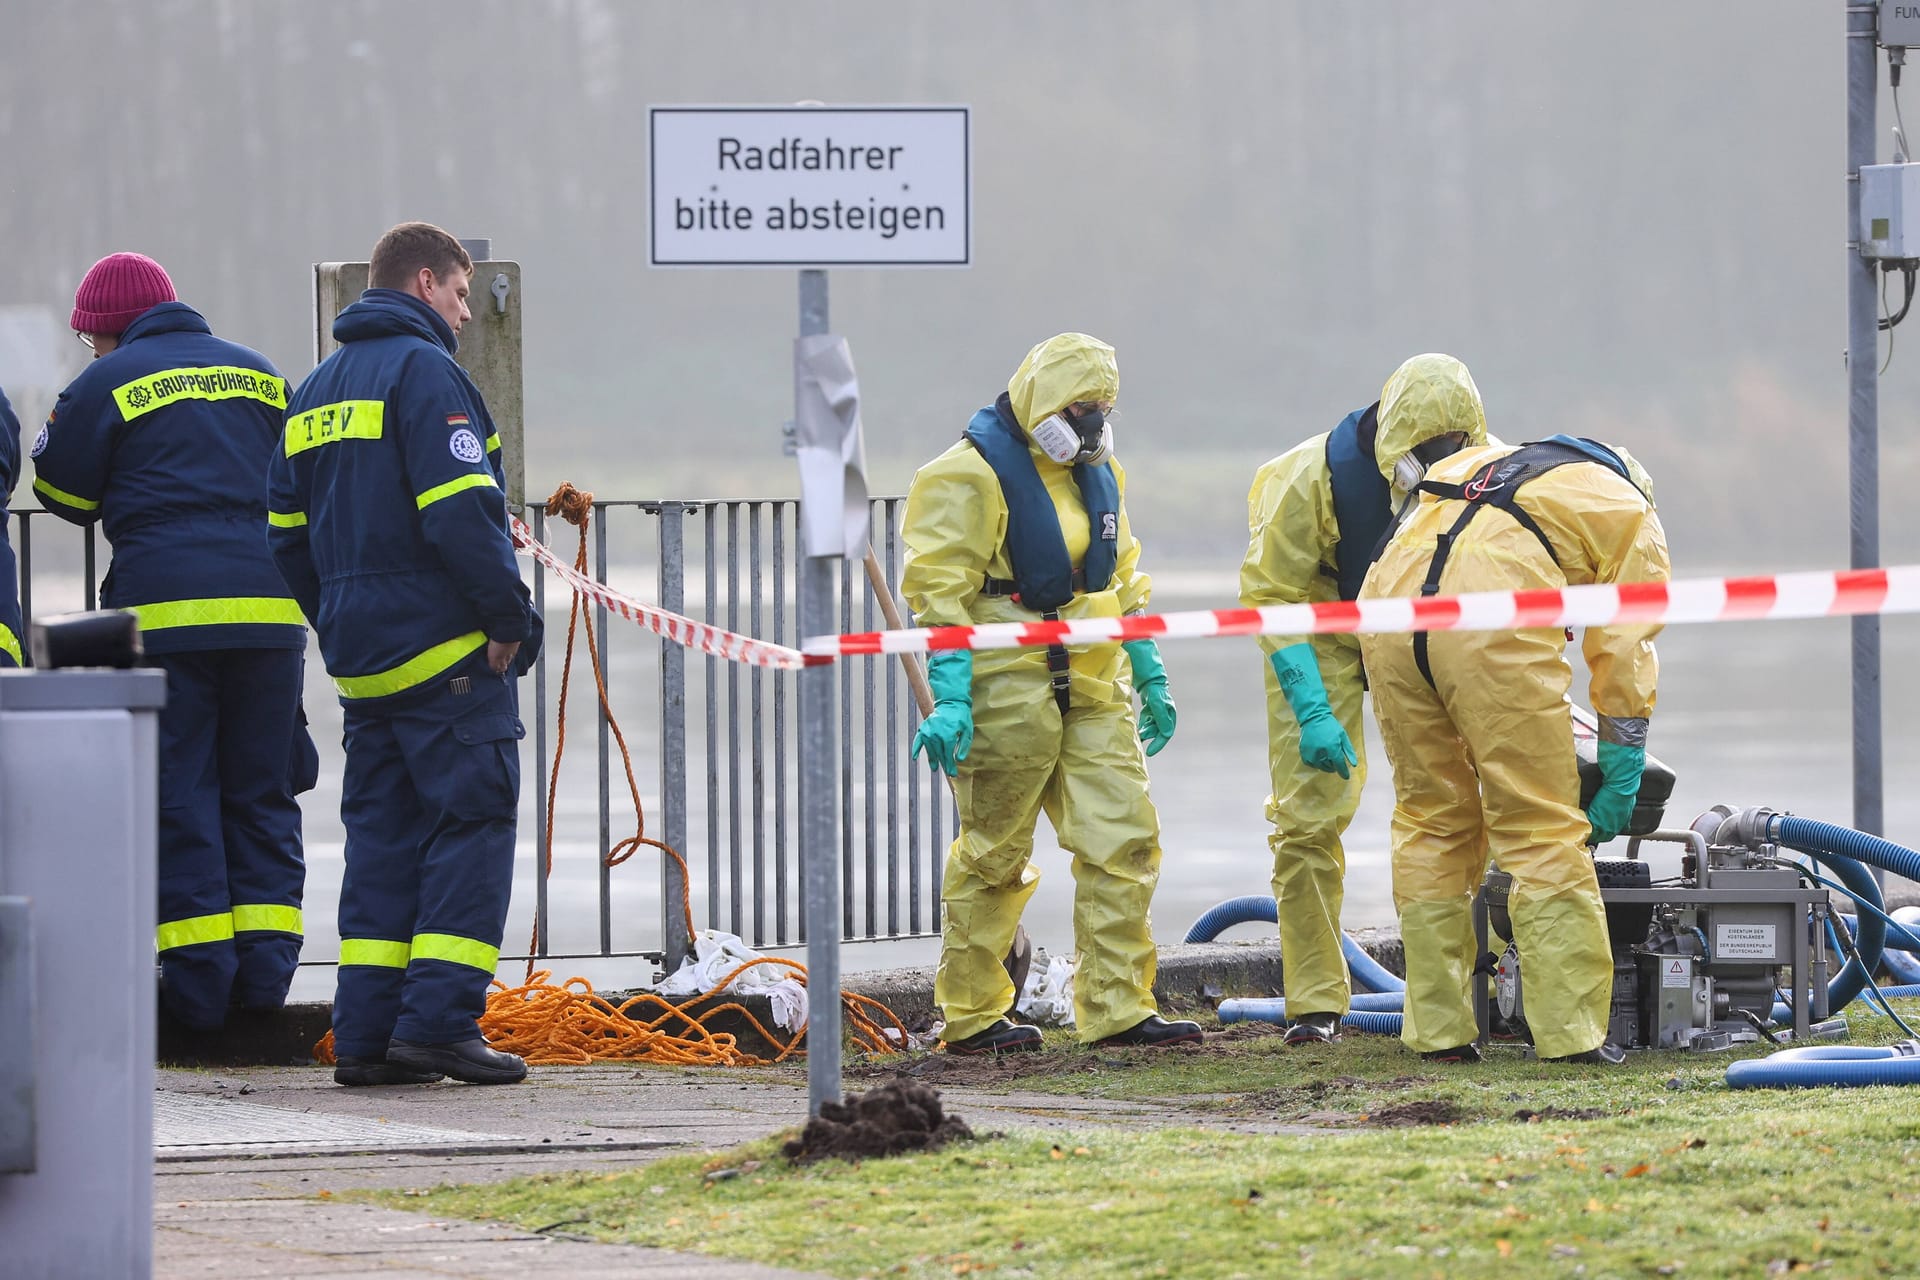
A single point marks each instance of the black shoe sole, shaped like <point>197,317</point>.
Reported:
<point>1116,1043</point>
<point>1293,1041</point>
<point>382,1073</point>
<point>994,1050</point>
<point>454,1067</point>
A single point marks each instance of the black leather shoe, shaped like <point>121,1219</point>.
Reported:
<point>1154,1031</point>
<point>1608,1054</point>
<point>363,1071</point>
<point>468,1060</point>
<point>1002,1037</point>
<point>1313,1028</point>
<point>1459,1055</point>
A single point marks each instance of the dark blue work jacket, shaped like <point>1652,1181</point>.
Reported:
<point>11,630</point>
<point>387,516</point>
<point>164,440</point>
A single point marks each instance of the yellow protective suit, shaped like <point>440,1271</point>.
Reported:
<point>1483,760</point>
<point>1294,532</point>
<point>1085,768</point>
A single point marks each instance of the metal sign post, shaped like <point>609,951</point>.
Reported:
<point>819,859</point>
<point>814,187</point>
<point>1863,420</point>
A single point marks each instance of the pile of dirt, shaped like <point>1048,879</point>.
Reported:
<point>886,1121</point>
<point>1559,1113</point>
<point>1410,1115</point>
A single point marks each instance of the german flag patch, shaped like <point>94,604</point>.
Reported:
<point>459,420</point>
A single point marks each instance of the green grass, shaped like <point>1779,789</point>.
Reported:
<point>1678,1175</point>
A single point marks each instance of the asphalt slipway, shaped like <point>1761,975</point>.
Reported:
<point>250,1160</point>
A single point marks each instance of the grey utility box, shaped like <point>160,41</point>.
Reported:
<point>490,349</point>
<point>1890,211</point>
<point>79,815</point>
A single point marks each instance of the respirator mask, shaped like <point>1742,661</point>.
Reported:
<point>1411,469</point>
<point>1071,438</point>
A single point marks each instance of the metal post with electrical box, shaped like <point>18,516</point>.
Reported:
<point>490,344</point>
<point>79,814</point>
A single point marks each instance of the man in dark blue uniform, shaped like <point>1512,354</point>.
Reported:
<point>164,439</point>
<point>388,519</point>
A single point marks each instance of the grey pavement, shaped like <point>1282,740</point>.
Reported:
<point>248,1161</point>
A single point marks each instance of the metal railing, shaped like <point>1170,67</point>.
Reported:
<point>727,734</point>
<point>723,736</point>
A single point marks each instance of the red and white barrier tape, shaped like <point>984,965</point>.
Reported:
<point>1787,595</point>
<point>681,630</point>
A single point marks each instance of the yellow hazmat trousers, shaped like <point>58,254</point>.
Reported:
<point>1483,760</point>
<point>1294,539</point>
<point>1085,769</point>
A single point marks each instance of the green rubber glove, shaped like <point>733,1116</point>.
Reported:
<point>1324,744</point>
<point>947,734</point>
<point>1158,715</point>
<point>1612,807</point>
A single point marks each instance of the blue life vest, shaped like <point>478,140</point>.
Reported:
<point>1362,500</point>
<point>1043,573</point>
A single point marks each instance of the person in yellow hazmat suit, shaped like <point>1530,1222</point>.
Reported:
<point>1316,514</point>
<point>1024,520</point>
<point>1478,728</point>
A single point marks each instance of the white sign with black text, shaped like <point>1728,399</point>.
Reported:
<point>809,186</point>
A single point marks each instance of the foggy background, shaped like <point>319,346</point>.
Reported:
<point>1629,221</point>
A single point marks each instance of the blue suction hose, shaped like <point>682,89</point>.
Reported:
<point>1845,1065</point>
<point>1260,908</point>
<point>1376,1010</point>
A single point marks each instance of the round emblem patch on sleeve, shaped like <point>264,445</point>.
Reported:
<point>40,442</point>
<point>466,446</point>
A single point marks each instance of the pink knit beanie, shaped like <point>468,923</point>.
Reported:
<point>117,289</point>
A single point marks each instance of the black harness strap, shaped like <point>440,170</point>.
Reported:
<point>1058,667</point>
<point>1007,588</point>
<point>1495,485</point>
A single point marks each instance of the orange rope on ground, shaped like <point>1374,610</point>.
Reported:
<point>550,1024</point>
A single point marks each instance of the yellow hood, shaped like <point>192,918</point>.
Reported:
<point>1061,370</point>
<point>1430,395</point>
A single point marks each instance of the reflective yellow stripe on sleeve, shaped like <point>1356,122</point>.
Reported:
<point>412,672</point>
<point>331,423</point>
<point>219,611</point>
<point>286,519</point>
<point>209,382</point>
<point>11,644</point>
<point>261,918</point>
<point>62,497</point>
<point>455,950</point>
<point>198,929</point>
<point>375,952</point>
<point>451,487</point>
<point>493,442</point>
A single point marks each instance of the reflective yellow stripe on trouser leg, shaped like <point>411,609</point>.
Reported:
<point>378,953</point>
<point>217,927</point>
<point>456,950</point>
<point>267,918</point>
<point>1309,810</point>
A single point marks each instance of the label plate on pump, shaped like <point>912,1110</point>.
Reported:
<point>1676,971</point>
<point>1744,942</point>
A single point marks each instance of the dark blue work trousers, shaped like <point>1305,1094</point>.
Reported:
<point>429,803</point>
<point>231,866</point>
